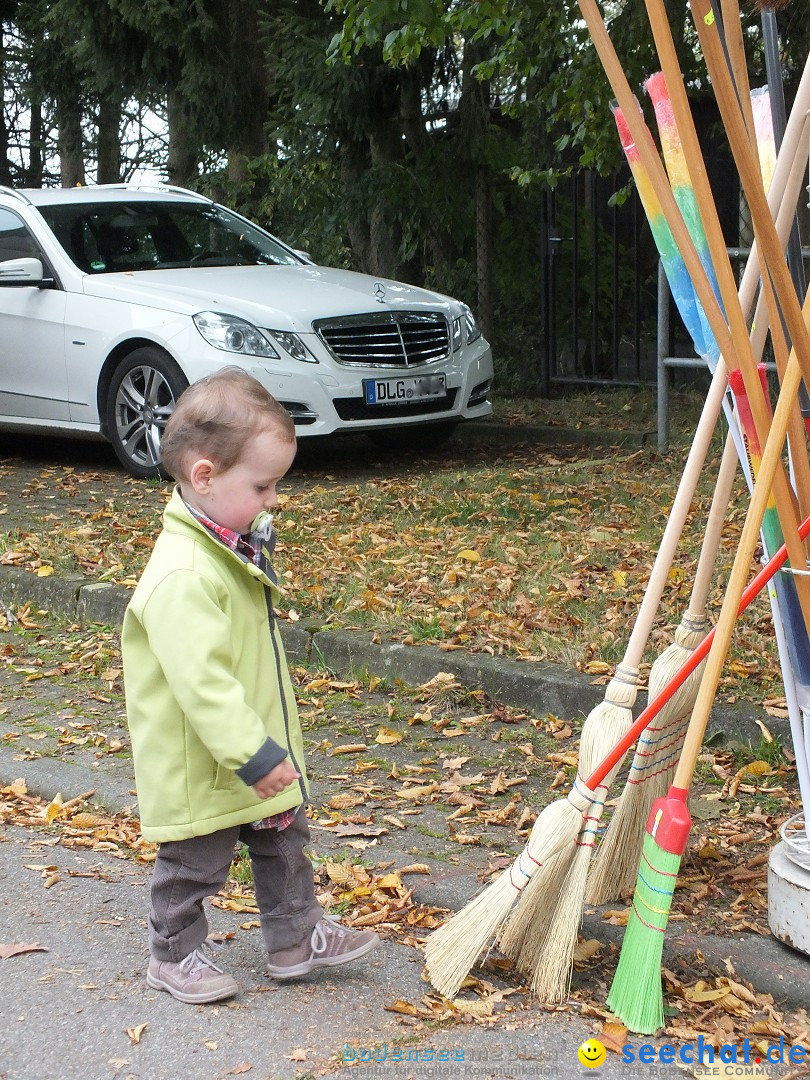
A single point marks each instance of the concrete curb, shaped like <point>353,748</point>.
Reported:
<point>503,434</point>
<point>539,687</point>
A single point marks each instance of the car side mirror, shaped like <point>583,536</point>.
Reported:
<point>21,272</point>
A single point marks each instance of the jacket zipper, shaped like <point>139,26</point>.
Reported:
<point>272,618</point>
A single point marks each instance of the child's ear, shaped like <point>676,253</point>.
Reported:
<point>200,476</point>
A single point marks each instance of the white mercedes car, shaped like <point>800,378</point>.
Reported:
<point>114,298</point>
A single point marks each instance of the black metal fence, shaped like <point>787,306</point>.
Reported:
<point>599,290</point>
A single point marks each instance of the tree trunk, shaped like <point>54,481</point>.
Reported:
<point>483,242</point>
<point>184,153</point>
<point>69,140</point>
<point>248,58</point>
<point>474,108</point>
<point>109,140</point>
<point>36,142</point>
<point>5,164</point>
<point>353,166</point>
<point>385,145</point>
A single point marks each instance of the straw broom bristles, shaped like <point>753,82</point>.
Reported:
<point>453,949</point>
<point>554,964</point>
<point>527,922</point>
<point>603,727</point>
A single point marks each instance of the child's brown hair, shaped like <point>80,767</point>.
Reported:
<point>216,417</point>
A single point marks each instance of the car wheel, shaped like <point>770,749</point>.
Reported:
<point>425,437</point>
<point>140,400</point>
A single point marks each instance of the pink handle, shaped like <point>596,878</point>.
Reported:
<point>682,674</point>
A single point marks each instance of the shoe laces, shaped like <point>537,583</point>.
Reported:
<point>329,926</point>
<point>196,962</point>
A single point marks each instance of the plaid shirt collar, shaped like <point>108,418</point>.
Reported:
<point>250,547</point>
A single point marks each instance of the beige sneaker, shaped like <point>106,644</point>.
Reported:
<point>329,945</point>
<point>195,980</point>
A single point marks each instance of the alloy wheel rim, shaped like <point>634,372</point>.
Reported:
<point>143,404</point>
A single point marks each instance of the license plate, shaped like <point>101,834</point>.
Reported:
<point>401,391</point>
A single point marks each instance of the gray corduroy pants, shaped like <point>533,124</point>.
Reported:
<point>187,871</point>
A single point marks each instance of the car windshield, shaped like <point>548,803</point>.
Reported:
<point>105,237</point>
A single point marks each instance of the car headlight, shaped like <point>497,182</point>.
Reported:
<point>231,334</point>
<point>473,329</point>
<point>457,335</point>
<point>293,344</point>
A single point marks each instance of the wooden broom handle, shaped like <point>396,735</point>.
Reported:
<point>696,658</point>
<point>739,574</point>
<point>676,520</point>
<point>714,530</point>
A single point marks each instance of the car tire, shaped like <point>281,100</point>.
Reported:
<point>424,437</point>
<point>142,394</point>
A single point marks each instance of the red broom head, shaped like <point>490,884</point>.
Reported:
<point>669,822</point>
<point>771,5</point>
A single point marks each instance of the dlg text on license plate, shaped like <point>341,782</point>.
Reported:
<point>402,391</point>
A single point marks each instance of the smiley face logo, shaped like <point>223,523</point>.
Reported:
<point>592,1054</point>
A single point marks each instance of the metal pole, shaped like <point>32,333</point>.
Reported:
<point>662,348</point>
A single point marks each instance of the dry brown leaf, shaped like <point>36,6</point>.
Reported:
<point>345,801</point>
<point>617,918</point>
<point>388,737</point>
<point>587,950</point>
<point>348,748</point>
<point>613,1036</point>
<point>237,1070</point>
<point>16,950</point>
<point>136,1032</point>
<point>473,1008</point>
<point>403,1007</point>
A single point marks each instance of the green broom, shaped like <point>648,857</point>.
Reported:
<point>636,995</point>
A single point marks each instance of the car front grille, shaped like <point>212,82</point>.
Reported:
<point>386,339</point>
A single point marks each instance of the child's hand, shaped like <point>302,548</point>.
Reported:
<point>276,780</point>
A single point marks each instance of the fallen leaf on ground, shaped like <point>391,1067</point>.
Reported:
<point>17,950</point>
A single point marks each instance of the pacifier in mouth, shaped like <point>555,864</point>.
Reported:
<point>262,525</point>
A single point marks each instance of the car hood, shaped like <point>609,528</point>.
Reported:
<point>274,297</point>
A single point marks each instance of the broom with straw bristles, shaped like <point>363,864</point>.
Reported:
<point>636,995</point>
<point>636,992</point>
<point>449,961</point>
<point>525,935</point>
<point>541,938</point>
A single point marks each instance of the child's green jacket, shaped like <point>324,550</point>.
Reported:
<point>210,704</point>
